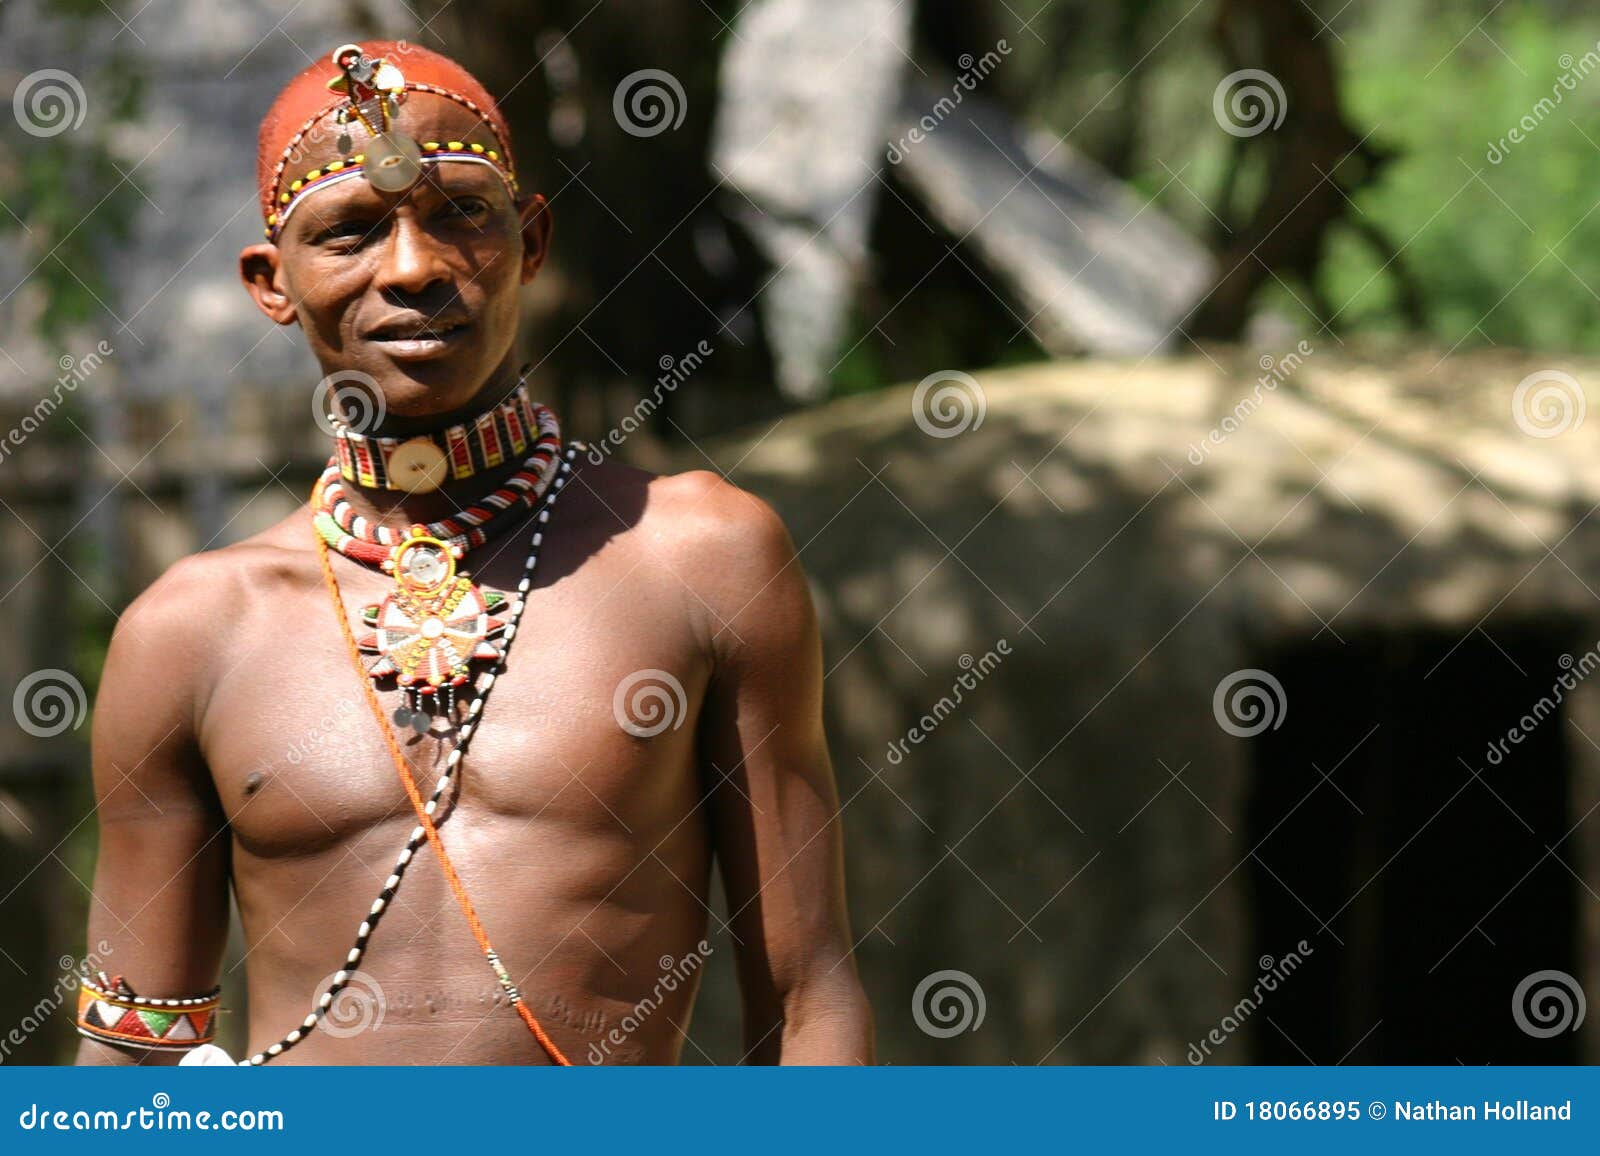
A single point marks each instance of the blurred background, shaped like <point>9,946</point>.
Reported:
<point>1179,404</point>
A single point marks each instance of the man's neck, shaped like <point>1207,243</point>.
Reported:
<point>398,509</point>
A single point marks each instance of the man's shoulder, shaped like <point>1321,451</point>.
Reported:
<point>731,546</point>
<point>178,626</point>
<point>726,543</point>
<point>707,526</point>
<point>184,603</point>
<point>708,513</point>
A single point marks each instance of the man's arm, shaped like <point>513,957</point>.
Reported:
<point>160,900</point>
<point>773,803</point>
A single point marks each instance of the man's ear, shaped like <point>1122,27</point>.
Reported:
<point>536,226</point>
<point>261,270</point>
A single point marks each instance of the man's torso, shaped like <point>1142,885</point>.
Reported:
<point>582,846</point>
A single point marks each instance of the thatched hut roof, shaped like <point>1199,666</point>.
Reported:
<point>1026,839</point>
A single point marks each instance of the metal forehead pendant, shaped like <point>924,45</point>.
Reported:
<point>375,88</point>
<point>430,628</point>
<point>394,162</point>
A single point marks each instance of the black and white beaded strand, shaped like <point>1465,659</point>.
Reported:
<point>418,835</point>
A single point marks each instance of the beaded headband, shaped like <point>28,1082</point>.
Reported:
<point>373,89</point>
<point>109,1011</point>
<point>422,463</point>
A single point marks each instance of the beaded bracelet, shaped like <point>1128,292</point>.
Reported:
<point>109,1011</point>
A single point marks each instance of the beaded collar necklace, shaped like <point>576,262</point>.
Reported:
<point>427,828</point>
<point>421,464</point>
<point>349,533</point>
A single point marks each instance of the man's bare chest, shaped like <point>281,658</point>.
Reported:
<point>588,729</point>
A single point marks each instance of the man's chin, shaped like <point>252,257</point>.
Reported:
<point>416,388</point>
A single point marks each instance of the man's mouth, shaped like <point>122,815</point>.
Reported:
<point>418,338</point>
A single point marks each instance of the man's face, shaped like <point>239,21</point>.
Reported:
<point>418,290</point>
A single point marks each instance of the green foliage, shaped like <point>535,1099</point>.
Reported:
<point>1506,250</point>
<point>67,236</point>
<point>1501,238</point>
<point>72,198</point>
<point>1504,246</point>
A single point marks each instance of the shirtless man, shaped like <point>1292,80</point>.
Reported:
<point>234,741</point>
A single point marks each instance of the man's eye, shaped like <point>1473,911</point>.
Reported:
<point>345,231</point>
<point>467,207</point>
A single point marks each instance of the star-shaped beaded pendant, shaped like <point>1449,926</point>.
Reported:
<point>430,628</point>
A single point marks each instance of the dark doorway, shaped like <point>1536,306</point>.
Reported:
<point>1416,868</point>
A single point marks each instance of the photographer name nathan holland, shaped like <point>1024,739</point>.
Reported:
<point>77,372</point>
<point>1491,1110</point>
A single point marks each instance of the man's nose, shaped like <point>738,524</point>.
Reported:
<point>411,261</point>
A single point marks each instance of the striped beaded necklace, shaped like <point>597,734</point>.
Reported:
<point>425,461</point>
<point>426,828</point>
